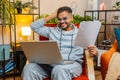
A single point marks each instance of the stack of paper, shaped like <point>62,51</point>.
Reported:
<point>87,33</point>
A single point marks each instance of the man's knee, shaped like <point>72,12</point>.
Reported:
<point>29,67</point>
<point>59,69</point>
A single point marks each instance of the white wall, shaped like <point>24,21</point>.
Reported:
<point>92,4</point>
<point>108,3</point>
<point>6,35</point>
<point>49,6</point>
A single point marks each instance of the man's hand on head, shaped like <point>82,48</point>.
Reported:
<point>51,16</point>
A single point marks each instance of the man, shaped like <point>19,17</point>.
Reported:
<point>64,34</point>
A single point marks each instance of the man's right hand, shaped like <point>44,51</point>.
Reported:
<point>51,16</point>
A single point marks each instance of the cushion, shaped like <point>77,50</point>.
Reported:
<point>113,72</point>
<point>117,34</point>
<point>7,51</point>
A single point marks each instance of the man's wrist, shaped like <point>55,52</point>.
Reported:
<point>48,18</point>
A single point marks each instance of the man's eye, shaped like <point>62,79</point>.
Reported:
<point>64,18</point>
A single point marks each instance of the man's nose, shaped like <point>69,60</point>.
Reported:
<point>62,21</point>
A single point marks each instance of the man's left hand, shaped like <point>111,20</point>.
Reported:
<point>93,51</point>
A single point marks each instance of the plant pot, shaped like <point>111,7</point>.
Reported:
<point>54,25</point>
<point>19,10</point>
<point>0,20</point>
<point>50,25</point>
<point>78,25</point>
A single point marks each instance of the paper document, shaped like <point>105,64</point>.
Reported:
<point>87,33</point>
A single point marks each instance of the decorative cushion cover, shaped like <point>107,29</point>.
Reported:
<point>117,34</point>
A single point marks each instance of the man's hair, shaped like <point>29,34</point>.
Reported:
<point>64,8</point>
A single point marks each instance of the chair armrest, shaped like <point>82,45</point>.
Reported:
<point>90,66</point>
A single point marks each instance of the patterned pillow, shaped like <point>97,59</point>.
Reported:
<point>117,34</point>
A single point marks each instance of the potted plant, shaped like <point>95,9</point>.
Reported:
<point>117,4</point>
<point>76,19</point>
<point>18,5</point>
<point>6,12</point>
<point>52,22</point>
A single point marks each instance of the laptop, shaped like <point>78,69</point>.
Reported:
<point>43,52</point>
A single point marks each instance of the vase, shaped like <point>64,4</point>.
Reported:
<point>19,10</point>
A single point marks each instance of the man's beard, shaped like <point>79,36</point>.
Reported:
<point>60,25</point>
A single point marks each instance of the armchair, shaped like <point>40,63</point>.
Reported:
<point>105,58</point>
<point>88,70</point>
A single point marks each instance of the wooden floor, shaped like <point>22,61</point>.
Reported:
<point>97,76</point>
<point>17,78</point>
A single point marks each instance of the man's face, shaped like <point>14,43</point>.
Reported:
<point>64,20</point>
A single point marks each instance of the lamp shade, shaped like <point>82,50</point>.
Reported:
<point>26,31</point>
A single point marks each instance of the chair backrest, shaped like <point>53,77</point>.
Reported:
<point>52,25</point>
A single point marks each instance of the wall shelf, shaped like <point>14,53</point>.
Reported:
<point>13,38</point>
<point>28,14</point>
<point>105,16</point>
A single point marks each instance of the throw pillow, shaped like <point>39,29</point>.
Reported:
<point>113,72</point>
<point>117,34</point>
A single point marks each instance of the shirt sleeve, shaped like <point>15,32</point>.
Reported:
<point>39,28</point>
